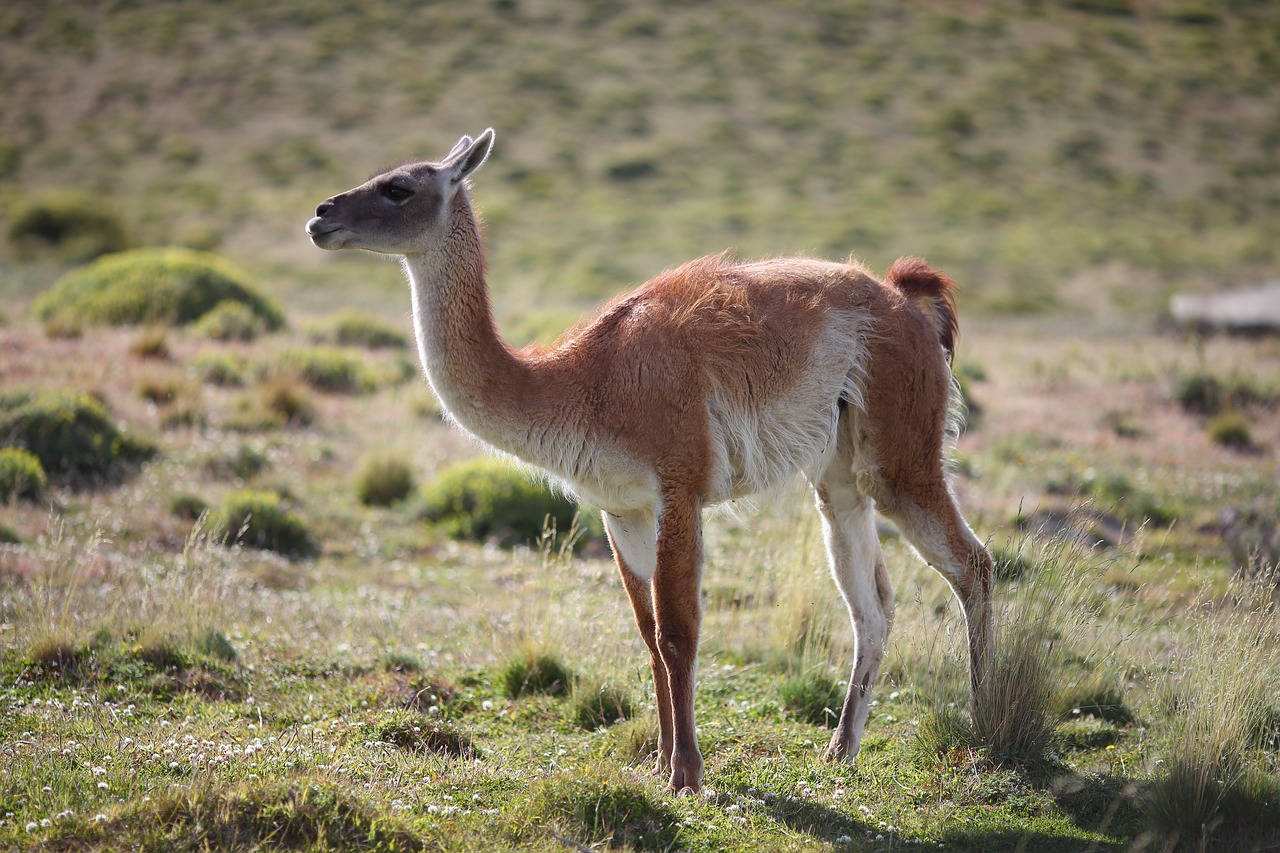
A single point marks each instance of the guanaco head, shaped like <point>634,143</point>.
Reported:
<point>404,211</point>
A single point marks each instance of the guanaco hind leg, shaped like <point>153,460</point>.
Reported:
<point>857,565</point>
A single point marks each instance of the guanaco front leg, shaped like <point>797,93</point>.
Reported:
<point>634,543</point>
<point>678,617</point>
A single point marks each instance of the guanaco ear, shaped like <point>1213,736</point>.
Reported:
<point>467,156</point>
<point>462,143</point>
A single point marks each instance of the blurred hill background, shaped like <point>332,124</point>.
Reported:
<point>1072,157</point>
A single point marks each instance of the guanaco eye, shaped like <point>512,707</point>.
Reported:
<point>395,193</point>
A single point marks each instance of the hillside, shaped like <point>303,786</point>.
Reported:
<point>1047,154</point>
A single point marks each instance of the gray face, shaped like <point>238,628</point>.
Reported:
<point>393,213</point>
<point>403,211</point>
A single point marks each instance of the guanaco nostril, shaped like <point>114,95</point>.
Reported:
<point>325,207</point>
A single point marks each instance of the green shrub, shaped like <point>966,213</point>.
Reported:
<point>384,481</point>
<point>533,672</point>
<point>259,519</point>
<point>488,499</point>
<point>351,328</point>
<point>72,435</point>
<point>325,369</point>
<point>69,227</point>
<point>230,320</point>
<point>174,286</point>
<point>21,474</point>
<point>814,697</point>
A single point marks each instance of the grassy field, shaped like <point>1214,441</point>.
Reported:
<point>383,686</point>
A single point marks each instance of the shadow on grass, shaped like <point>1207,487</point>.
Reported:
<point>813,819</point>
<point>1108,805</point>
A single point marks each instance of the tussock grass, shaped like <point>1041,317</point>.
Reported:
<point>813,696</point>
<point>297,815</point>
<point>533,670</point>
<point>599,705</point>
<point>1221,690</point>
<point>1017,708</point>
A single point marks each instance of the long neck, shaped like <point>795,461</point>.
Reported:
<point>478,378</point>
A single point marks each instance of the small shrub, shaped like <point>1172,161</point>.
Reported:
<point>1230,429</point>
<point>325,369</point>
<point>401,662</point>
<point>412,733</point>
<point>220,369</point>
<point>1199,393</point>
<point>230,320</point>
<point>813,697</point>
<point>21,474</point>
<point>599,706</point>
<point>1114,491</point>
<point>69,227</point>
<point>488,499</point>
<point>350,328</point>
<point>383,481</point>
<point>1252,535</point>
<point>152,342</point>
<point>158,391</point>
<point>259,519</point>
<point>532,672</point>
<point>189,507</point>
<point>63,328</point>
<point>61,658</point>
<point>9,536</point>
<point>174,286</point>
<point>1204,393</point>
<point>72,435</point>
<point>288,401</point>
<point>244,464</point>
